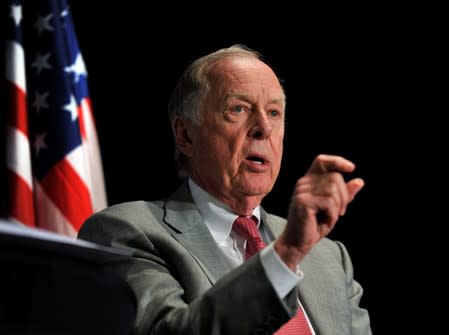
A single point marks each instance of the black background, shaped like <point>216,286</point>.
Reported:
<point>340,82</point>
<point>350,75</point>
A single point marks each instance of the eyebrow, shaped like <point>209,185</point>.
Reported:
<point>248,99</point>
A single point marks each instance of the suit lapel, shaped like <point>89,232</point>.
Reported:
<point>188,228</point>
<point>274,225</point>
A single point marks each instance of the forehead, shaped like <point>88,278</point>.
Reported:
<point>245,72</point>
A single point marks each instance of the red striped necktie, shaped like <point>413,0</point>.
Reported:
<point>246,227</point>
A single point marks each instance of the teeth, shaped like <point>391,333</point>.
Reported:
<point>256,160</point>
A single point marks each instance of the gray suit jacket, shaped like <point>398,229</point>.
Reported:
<point>184,284</point>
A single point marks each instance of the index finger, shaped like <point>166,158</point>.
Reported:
<point>328,163</point>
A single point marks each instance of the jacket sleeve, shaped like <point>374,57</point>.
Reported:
<point>174,296</point>
<point>360,318</point>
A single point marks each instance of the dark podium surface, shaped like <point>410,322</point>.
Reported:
<point>50,284</point>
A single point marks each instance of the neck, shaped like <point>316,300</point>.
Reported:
<point>244,205</point>
<point>239,204</point>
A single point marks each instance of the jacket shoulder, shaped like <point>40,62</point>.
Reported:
<point>131,209</point>
<point>127,216</point>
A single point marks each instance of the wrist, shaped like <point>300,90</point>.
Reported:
<point>290,255</point>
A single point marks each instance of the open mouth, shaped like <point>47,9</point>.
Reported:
<point>257,159</point>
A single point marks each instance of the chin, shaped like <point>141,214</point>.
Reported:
<point>253,185</point>
<point>255,189</point>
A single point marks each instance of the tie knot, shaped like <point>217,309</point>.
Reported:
<point>246,227</point>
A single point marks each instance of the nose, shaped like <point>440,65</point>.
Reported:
<point>262,127</point>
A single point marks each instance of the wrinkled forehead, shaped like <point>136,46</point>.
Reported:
<point>238,65</point>
<point>246,73</point>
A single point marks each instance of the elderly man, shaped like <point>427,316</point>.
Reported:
<point>209,259</point>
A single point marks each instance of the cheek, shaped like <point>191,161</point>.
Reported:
<point>212,151</point>
<point>277,154</point>
<point>221,148</point>
<point>278,146</point>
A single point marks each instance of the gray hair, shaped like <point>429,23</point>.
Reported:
<point>193,86</point>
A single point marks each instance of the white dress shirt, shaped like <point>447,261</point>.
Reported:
<point>219,219</point>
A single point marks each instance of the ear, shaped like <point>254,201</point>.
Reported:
<point>181,129</point>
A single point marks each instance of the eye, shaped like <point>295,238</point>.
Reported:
<point>238,109</point>
<point>274,113</point>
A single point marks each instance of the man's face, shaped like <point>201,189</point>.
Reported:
<point>237,149</point>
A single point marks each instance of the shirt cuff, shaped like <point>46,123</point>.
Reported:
<point>281,277</point>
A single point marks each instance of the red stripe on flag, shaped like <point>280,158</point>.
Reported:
<point>81,118</point>
<point>18,110</point>
<point>21,200</point>
<point>68,192</point>
<point>81,111</point>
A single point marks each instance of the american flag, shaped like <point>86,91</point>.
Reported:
<point>53,160</point>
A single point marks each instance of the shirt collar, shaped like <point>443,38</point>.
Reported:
<point>217,216</point>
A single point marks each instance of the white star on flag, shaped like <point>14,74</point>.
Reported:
<point>16,14</point>
<point>40,101</point>
<point>43,23</point>
<point>77,68</point>
<point>41,62</point>
<point>72,108</point>
<point>39,143</point>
